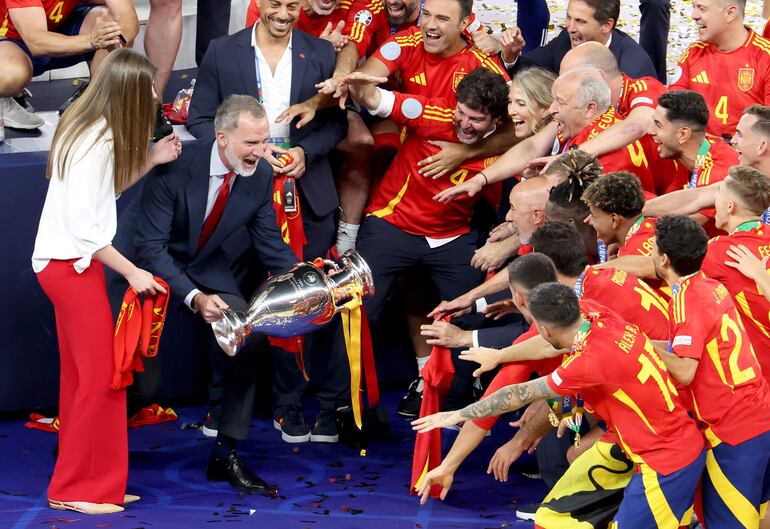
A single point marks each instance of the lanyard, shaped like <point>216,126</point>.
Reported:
<point>703,150</point>
<point>394,28</point>
<point>602,249</point>
<point>579,284</point>
<point>260,92</point>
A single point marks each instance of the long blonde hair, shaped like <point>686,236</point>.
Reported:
<point>535,84</point>
<point>121,94</point>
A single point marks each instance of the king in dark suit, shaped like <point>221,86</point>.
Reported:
<point>280,66</point>
<point>188,210</point>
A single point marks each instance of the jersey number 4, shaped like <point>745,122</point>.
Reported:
<point>721,110</point>
<point>56,13</point>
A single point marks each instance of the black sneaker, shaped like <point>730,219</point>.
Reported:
<point>527,511</point>
<point>530,470</point>
<point>82,85</point>
<point>411,402</point>
<point>325,428</point>
<point>292,425</point>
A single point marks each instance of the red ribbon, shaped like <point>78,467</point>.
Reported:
<point>293,234</point>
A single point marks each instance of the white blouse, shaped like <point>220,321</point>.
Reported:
<point>79,216</point>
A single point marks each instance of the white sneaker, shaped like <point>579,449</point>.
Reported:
<point>16,117</point>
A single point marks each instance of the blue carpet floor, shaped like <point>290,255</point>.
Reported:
<point>321,486</point>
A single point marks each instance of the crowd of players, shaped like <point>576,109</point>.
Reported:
<point>562,193</point>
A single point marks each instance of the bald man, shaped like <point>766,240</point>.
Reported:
<point>528,200</point>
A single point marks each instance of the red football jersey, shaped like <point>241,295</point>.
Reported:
<point>366,22</point>
<point>731,398</point>
<point>634,157</point>
<point>720,158</point>
<point>403,197</point>
<point>628,296</point>
<point>624,382</point>
<point>518,372</point>
<point>751,303</point>
<point>639,242</point>
<point>56,11</point>
<point>639,238</point>
<point>427,74</point>
<point>730,81</point>
<point>641,92</point>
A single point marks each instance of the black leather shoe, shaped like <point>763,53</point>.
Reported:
<point>233,470</point>
<point>82,85</point>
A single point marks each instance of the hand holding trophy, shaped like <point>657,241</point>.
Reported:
<point>297,302</point>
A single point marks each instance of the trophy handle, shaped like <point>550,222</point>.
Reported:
<point>230,332</point>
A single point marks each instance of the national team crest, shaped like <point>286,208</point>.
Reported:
<point>364,17</point>
<point>745,79</point>
<point>456,78</point>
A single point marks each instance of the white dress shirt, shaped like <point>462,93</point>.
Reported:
<point>276,89</point>
<point>217,172</point>
<point>79,215</point>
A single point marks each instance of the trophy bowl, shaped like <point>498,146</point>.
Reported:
<point>297,302</point>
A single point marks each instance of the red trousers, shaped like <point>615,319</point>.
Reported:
<point>93,436</point>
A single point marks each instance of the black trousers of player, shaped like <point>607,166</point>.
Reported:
<point>324,352</point>
<point>653,33</point>
<point>389,251</point>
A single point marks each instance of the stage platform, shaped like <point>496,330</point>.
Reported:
<point>321,486</point>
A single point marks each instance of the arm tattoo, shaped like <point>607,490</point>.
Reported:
<point>507,399</point>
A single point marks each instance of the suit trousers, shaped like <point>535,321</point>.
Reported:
<point>653,33</point>
<point>236,377</point>
<point>212,22</point>
<point>93,438</point>
<point>324,355</point>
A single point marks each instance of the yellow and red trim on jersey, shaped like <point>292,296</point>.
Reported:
<point>437,113</point>
<point>387,210</point>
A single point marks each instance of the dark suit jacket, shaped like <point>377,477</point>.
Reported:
<point>173,204</point>
<point>229,68</point>
<point>632,59</point>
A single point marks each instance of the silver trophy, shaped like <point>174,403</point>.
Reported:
<point>297,302</point>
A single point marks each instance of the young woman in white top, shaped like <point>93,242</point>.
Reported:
<point>99,150</point>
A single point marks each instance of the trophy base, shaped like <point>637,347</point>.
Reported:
<point>230,332</point>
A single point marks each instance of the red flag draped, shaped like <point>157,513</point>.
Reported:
<point>437,377</point>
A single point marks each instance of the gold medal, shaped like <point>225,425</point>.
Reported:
<point>577,440</point>
<point>553,419</point>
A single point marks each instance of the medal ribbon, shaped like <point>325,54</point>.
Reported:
<point>703,150</point>
<point>635,228</point>
<point>748,225</point>
<point>574,420</point>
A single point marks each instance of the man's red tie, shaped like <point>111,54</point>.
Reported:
<point>210,224</point>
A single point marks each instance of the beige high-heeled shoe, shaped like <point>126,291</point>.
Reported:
<point>85,507</point>
<point>130,498</point>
